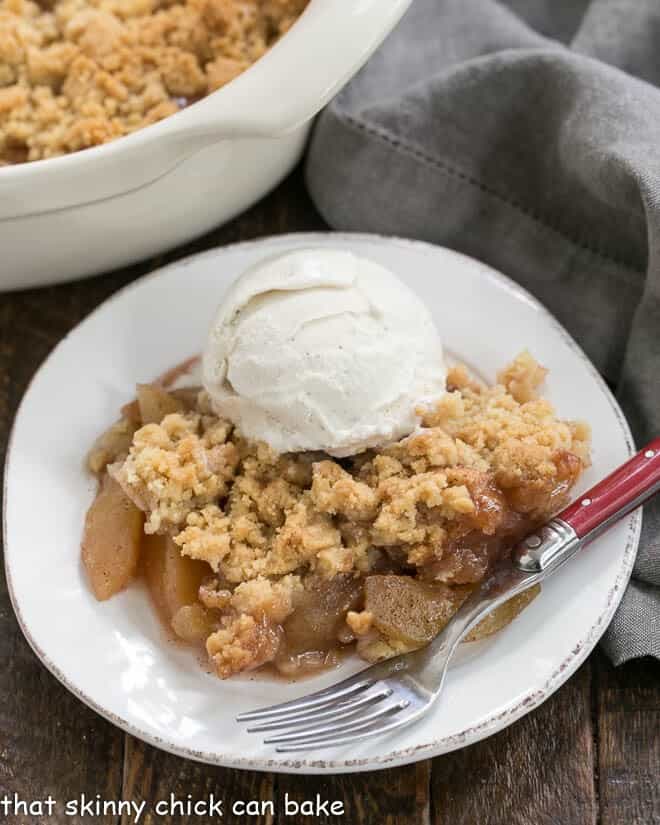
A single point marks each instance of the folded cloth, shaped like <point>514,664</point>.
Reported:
<point>525,133</point>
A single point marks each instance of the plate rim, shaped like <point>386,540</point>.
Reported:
<point>426,750</point>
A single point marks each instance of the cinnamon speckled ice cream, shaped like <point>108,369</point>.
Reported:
<point>319,349</point>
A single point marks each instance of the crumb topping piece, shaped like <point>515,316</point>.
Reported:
<point>242,643</point>
<point>177,466</point>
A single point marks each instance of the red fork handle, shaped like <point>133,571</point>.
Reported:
<point>627,488</point>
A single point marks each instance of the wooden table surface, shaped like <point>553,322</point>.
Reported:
<point>590,754</point>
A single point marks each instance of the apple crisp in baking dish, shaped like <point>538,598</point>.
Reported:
<point>78,73</point>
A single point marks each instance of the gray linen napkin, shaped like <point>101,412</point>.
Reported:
<point>525,133</point>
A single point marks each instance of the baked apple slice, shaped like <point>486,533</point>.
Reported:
<point>111,540</point>
<point>410,611</point>
<point>414,612</point>
<point>174,582</point>
<point>173,579</point>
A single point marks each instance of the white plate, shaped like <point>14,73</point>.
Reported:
<point>113,655</point>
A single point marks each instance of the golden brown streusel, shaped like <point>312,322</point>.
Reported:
<point>263,598</point>
<point>177,466</point>
<point>304,551</point>
<point>78,73</point>
<point>360,623</point>
<point>242,643</point>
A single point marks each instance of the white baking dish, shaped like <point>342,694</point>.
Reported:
<point>83,213</point>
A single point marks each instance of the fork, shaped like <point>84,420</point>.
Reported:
<point>398,691</point>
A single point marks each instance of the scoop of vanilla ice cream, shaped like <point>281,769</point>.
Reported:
<point>319,349</point>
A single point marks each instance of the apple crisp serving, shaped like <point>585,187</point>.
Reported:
<point>288,559</point>
<point>78,73</point>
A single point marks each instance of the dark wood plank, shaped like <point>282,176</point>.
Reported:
<point>537,772</point>
<point>50,743</point>
<point>399,796</point>
<point>628,713</point>
<point>167,784</point>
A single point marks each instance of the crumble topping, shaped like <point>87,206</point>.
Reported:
<point>360,623</point>
<point>176,467</point>
<point>242,643</point>
<point>304,552</point>
<point>336,492</point>
<point>78,73</point>
<point>263,598</point>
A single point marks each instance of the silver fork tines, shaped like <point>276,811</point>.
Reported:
<point>312,734</point>
<point>336,711</point>
<point>315,700</point>
<point>387,695</point>
<point>353,736</point>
